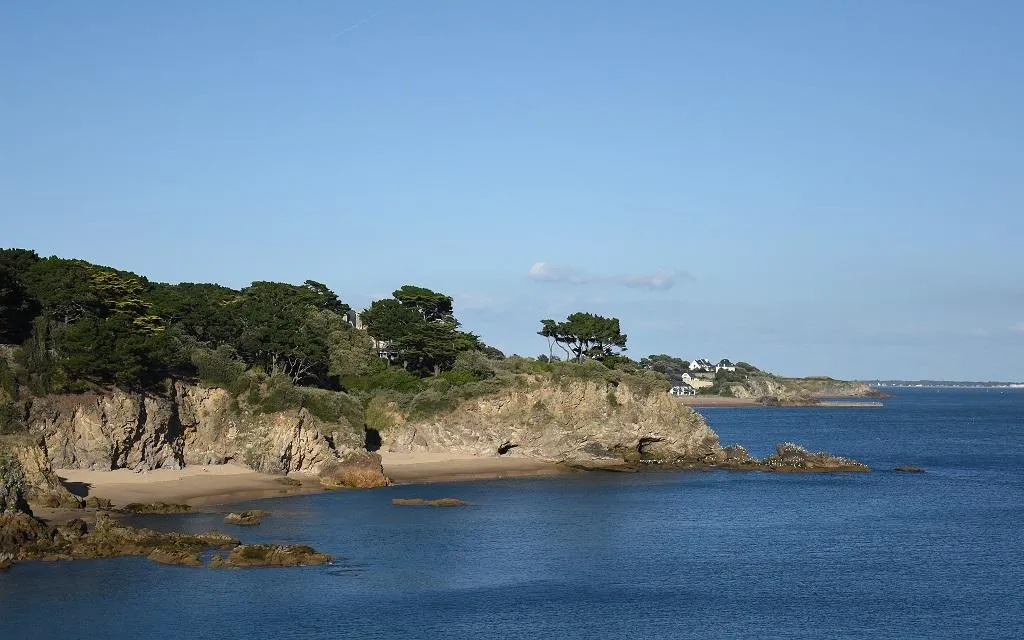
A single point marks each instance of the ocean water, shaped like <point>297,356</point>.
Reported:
<point>656,555</point>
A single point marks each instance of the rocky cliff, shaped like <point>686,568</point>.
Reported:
<point>578,422</point>
<point>191,425</point>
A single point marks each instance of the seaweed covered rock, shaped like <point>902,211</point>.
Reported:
<point>792,457</point>
<point>246,518</point>
<point>155,507</point>
<point>270,555</point>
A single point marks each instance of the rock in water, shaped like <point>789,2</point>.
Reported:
<point>906,468</point>
<point>793,457</point>
<point>245,518</point>
<point>270,555</point>
<point>156,507</point>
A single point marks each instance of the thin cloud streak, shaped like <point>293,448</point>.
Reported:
<point>659,281</point>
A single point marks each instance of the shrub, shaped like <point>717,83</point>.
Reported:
<point>220,367</point>
<point>428,403</point>
<point>392,378</point>
<point>474,365</point>
<point>11,419</point>
<point>332,406</point>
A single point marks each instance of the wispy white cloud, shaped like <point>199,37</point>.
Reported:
<point>658,281</point>
<point>1017,328</point>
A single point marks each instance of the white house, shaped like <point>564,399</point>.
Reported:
<point>682,389</point>
<point>701,364</point>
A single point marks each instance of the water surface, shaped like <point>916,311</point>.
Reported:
<point>658,555</point>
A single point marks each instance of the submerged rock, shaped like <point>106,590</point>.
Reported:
<point>906,468</point>
<point>270,555</point>
<point>420,502</point>
<point>245,518</point>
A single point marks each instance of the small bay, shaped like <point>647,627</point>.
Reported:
<point>649,555</point>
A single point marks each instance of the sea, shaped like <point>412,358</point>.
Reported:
<point>709,554</point>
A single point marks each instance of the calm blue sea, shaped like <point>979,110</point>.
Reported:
<point>659,555</point>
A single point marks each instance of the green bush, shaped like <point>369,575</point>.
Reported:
<point>332,406</point>
<point>428,403</point>
<point>474,365</point>
<point>391,379</point>
<point>220,367</point>
<point>11,421</point>
<point>456,378</point>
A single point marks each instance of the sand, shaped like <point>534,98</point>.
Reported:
<point>407,468</point>
<point>210,485</point>
<point>195,485</point>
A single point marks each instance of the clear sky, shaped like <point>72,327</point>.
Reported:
<point>814,187</point>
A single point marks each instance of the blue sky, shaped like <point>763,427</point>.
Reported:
<point>814,187</point>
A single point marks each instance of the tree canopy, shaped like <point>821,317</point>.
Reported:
<point>585,335</point>
<point>417,329</point>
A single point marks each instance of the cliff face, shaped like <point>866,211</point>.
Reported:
<point>120,430</point>
<point>577,422</point>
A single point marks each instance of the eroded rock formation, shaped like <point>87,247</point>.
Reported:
<point>578,422</point>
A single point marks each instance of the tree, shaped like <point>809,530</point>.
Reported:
<point>417,329</point>
<point>585,335</point>
<point>200,311</point>
<point>433,306</point>
<point>669,366</point>
<point>17,308</point>
<point>279,331</point>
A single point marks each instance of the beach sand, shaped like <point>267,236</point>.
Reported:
<point>408,468</point>
<point>213,485</point>
<point>196,485</point>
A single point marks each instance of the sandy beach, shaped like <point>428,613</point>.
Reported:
<point>408,468</point>
<point>210,485</point>
<point>196,485</point>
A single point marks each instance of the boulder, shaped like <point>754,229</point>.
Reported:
<point>906,468</point>
<point>356,470</point>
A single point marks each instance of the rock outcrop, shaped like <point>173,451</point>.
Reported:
<point>578,422</point>
<point>12,484</point>
<point>790,457</point>
<point>270,555</point>
<point>354,470</point>
<point>192,425</point>
<point>42,486</point>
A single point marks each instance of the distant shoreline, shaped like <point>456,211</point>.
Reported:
<point>707,402</point>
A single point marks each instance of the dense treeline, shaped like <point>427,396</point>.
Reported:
<point>71,326</point>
